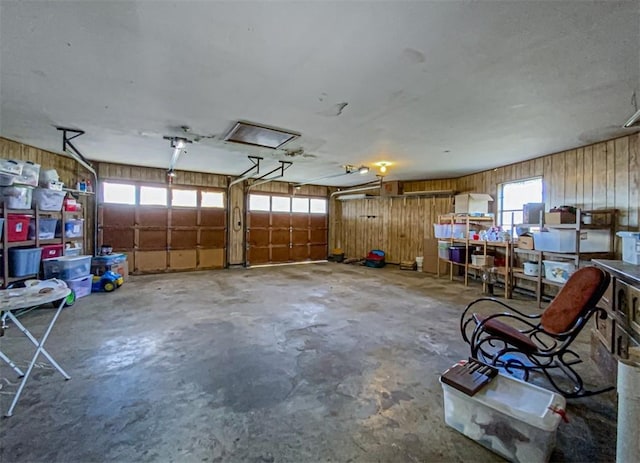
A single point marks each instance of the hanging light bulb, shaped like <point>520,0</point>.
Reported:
<point>363,170</point>
<point>383,168</point>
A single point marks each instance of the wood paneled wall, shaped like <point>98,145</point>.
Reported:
<point>108,170</point>
<point>68,169</point>
<point>397,225</point>
<point>598,176</point>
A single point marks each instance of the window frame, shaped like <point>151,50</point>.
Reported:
<point>500,207</point>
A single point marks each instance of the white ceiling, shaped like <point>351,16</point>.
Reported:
<point>438,88</point>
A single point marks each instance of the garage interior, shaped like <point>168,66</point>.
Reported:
<point>232,150</point>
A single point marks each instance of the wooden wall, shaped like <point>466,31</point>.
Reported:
<point>68,169</point>
<point>598,176</point>
<point>397,225</point>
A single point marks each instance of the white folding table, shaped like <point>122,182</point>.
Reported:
<point>46,292</point>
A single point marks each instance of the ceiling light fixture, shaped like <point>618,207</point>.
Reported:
<point>382,166</point>
<point>633,120</point>
<point>363,170</point>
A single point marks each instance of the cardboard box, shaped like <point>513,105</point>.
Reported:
<point>430,254</point>
<point>525,242</point>
<point>555,218</point>
<point>391,189</point>
<point>472,203</point>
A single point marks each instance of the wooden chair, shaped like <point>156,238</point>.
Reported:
<point>520,343</point>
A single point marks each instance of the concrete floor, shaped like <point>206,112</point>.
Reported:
<point>319,362</point>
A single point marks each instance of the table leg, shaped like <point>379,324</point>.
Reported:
<point>11,364</point>
<point>40,349</point>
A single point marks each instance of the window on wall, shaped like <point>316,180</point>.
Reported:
<point>259,203</point>
<point>212,199</point>
<point>318,206</point>
<point>512,196</point>
<point>184,198</point>
<point>118,193</point>
<point>153,196</point>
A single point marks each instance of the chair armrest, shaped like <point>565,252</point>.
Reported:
<point>467,316</point>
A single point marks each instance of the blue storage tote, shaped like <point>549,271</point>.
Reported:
<point>24,261</point>
<point>73,228</point>
<point>67,267</point>
<point>81,285</point>
<point>46,229</point>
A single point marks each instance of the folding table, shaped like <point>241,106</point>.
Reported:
<point>34,295</point>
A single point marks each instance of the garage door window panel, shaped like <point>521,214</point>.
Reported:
<point>153,196</point>
<point>184,198</point>
<point>280,204</point>
<point>212,199</point>
<point>318,206</point>
<point>118,193</point>
<point>300,205</point>
<point>259,203</point>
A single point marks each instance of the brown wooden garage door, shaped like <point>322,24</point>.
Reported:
<point>164,229</point>
<point>277,235</point>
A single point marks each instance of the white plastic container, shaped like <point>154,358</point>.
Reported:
<point>443,249</point>
<point>48,200</point>
<point>16,197</point>
<point>558,240</point>
<point>630,247</point>
<point>449,231</point>
<point>531,268</point>
<point>509,417</point>
<point>558,271</point>
<point>81,286</point>
<point>482,260</point>
<point>419,262</point>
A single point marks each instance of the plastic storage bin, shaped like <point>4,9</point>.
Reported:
<point>565,241</point>
<point>74,228</point>
<point>443,249</point>
<point>81,285</point>
<point>482,260</point>
<point>18,227</point>
<point>558,271</point>
<point>48,200</point>
<point>630,247</point>
<point>449,231</point>
<point>67,268</point>
<point>514,419</point>
<point>23,262</point>
<point>458,254</point>
<point>102,264</point>
<point>30,173</point>
<point>17,197</point>
<point>73,252</point>
<point>47,228</point>
<point>52,250</point>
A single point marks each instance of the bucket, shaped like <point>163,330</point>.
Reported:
<point>419,261</point>
<point>531,268</point>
